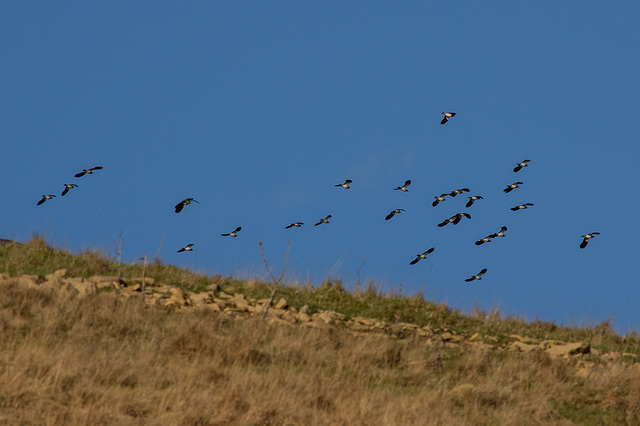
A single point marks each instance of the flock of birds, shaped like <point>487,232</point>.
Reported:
<point>455,219</point>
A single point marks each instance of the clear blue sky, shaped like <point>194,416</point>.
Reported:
<point>257,109</point>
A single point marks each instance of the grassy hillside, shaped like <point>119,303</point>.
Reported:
<point>109,359</point>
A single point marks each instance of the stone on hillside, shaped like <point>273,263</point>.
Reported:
<point>302,317</point>
<point>519,346</point>
<point>241,302</point>
<point>200,299</point>
<point>517,338</point>
<point>230,290</point>
<point>446,336</point>
<point>475,336</point>
<point>67,290</point>
<point>289,317</point>
<point>61,273</point>
<point>85,288</point>
<point>325,316</point>
<point>176,297</point>
<point>213,287</point>
<point>273,312</point>
<point>104,279</point>
<point>223,295</point>
<point>568,349</point>
<point>282,304</point>
<point>304,309</point>
<point>28,281</point>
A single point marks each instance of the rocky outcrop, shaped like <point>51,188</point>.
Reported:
<point>231,303</point>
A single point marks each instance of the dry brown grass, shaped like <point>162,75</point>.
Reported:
<point>100,360</point>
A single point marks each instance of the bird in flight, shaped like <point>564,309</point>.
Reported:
<point>294,224</point>
<point>67,187</point>
<point>345,185</point>
<point>325,220</point>
<point>438,199</point>
<point>458,191</point>
<point>183,203</point>
<point>88,171</point>
<point>45,198</point>
<point>233,233</point>
<point>393,212</point>
<point>421,256</point>
<point>473,199</point>
<point>521,206</point>
<point>478,276</point>
<point>501,232</point>
<point>447,116</point>
<point>486,239</point>
<point>519,166</point>
<point>455,219</point>
<point>403,188</point>
<point>187,248</point>
<point>586,239</point>
<point>511,187</point>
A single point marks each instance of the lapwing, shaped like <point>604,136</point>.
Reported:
<point>586,239</point>
<point>447,116</point>
<point>187,248</point>
<point>183,203</point>
<point>294,224</point>
<point>45,198</point>
<point>67,187</point>
<point>473,199</point>
<point>501,232</point>
<point>390,215</point>
<point>88,171</point>
<point>521,207</point>
<point>455,219</point>
<point>486,239</point>
<point>403,188</point>
<point>421,256</point>
<point>345,185</point>
<point>233,233</point>
<point>519,166</point>
<point>325,220</point>
<point>438,199</point>
<point>458,191</point>
<point>511,187</point>
<point>477,277</point>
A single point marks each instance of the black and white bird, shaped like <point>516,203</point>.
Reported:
<point>393,212</point>
<point>345,185</point>
<point>519,166</point>
<point>455,219</point>
<point>421,256</point>
<point>183,203</point>
<point>88,171</point>
<point>473,199</point>
<point>447,116</point>
<point>586,239</point>
<point>501,232</point>
<point>403,188</point>
<point>186,248</point>
<point>486,239</point>
<point>67,187</point>
<point>521,207</point>
<point>45,198</point>
<point>325,220</point>
<point>458,191</point>
<point>294,225</point>
<point>233,233</point>
<point>438,198</point>
<point>511,187</point>
<point>478,276</point>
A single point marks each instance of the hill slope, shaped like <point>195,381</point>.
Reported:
<point>82,346</point>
